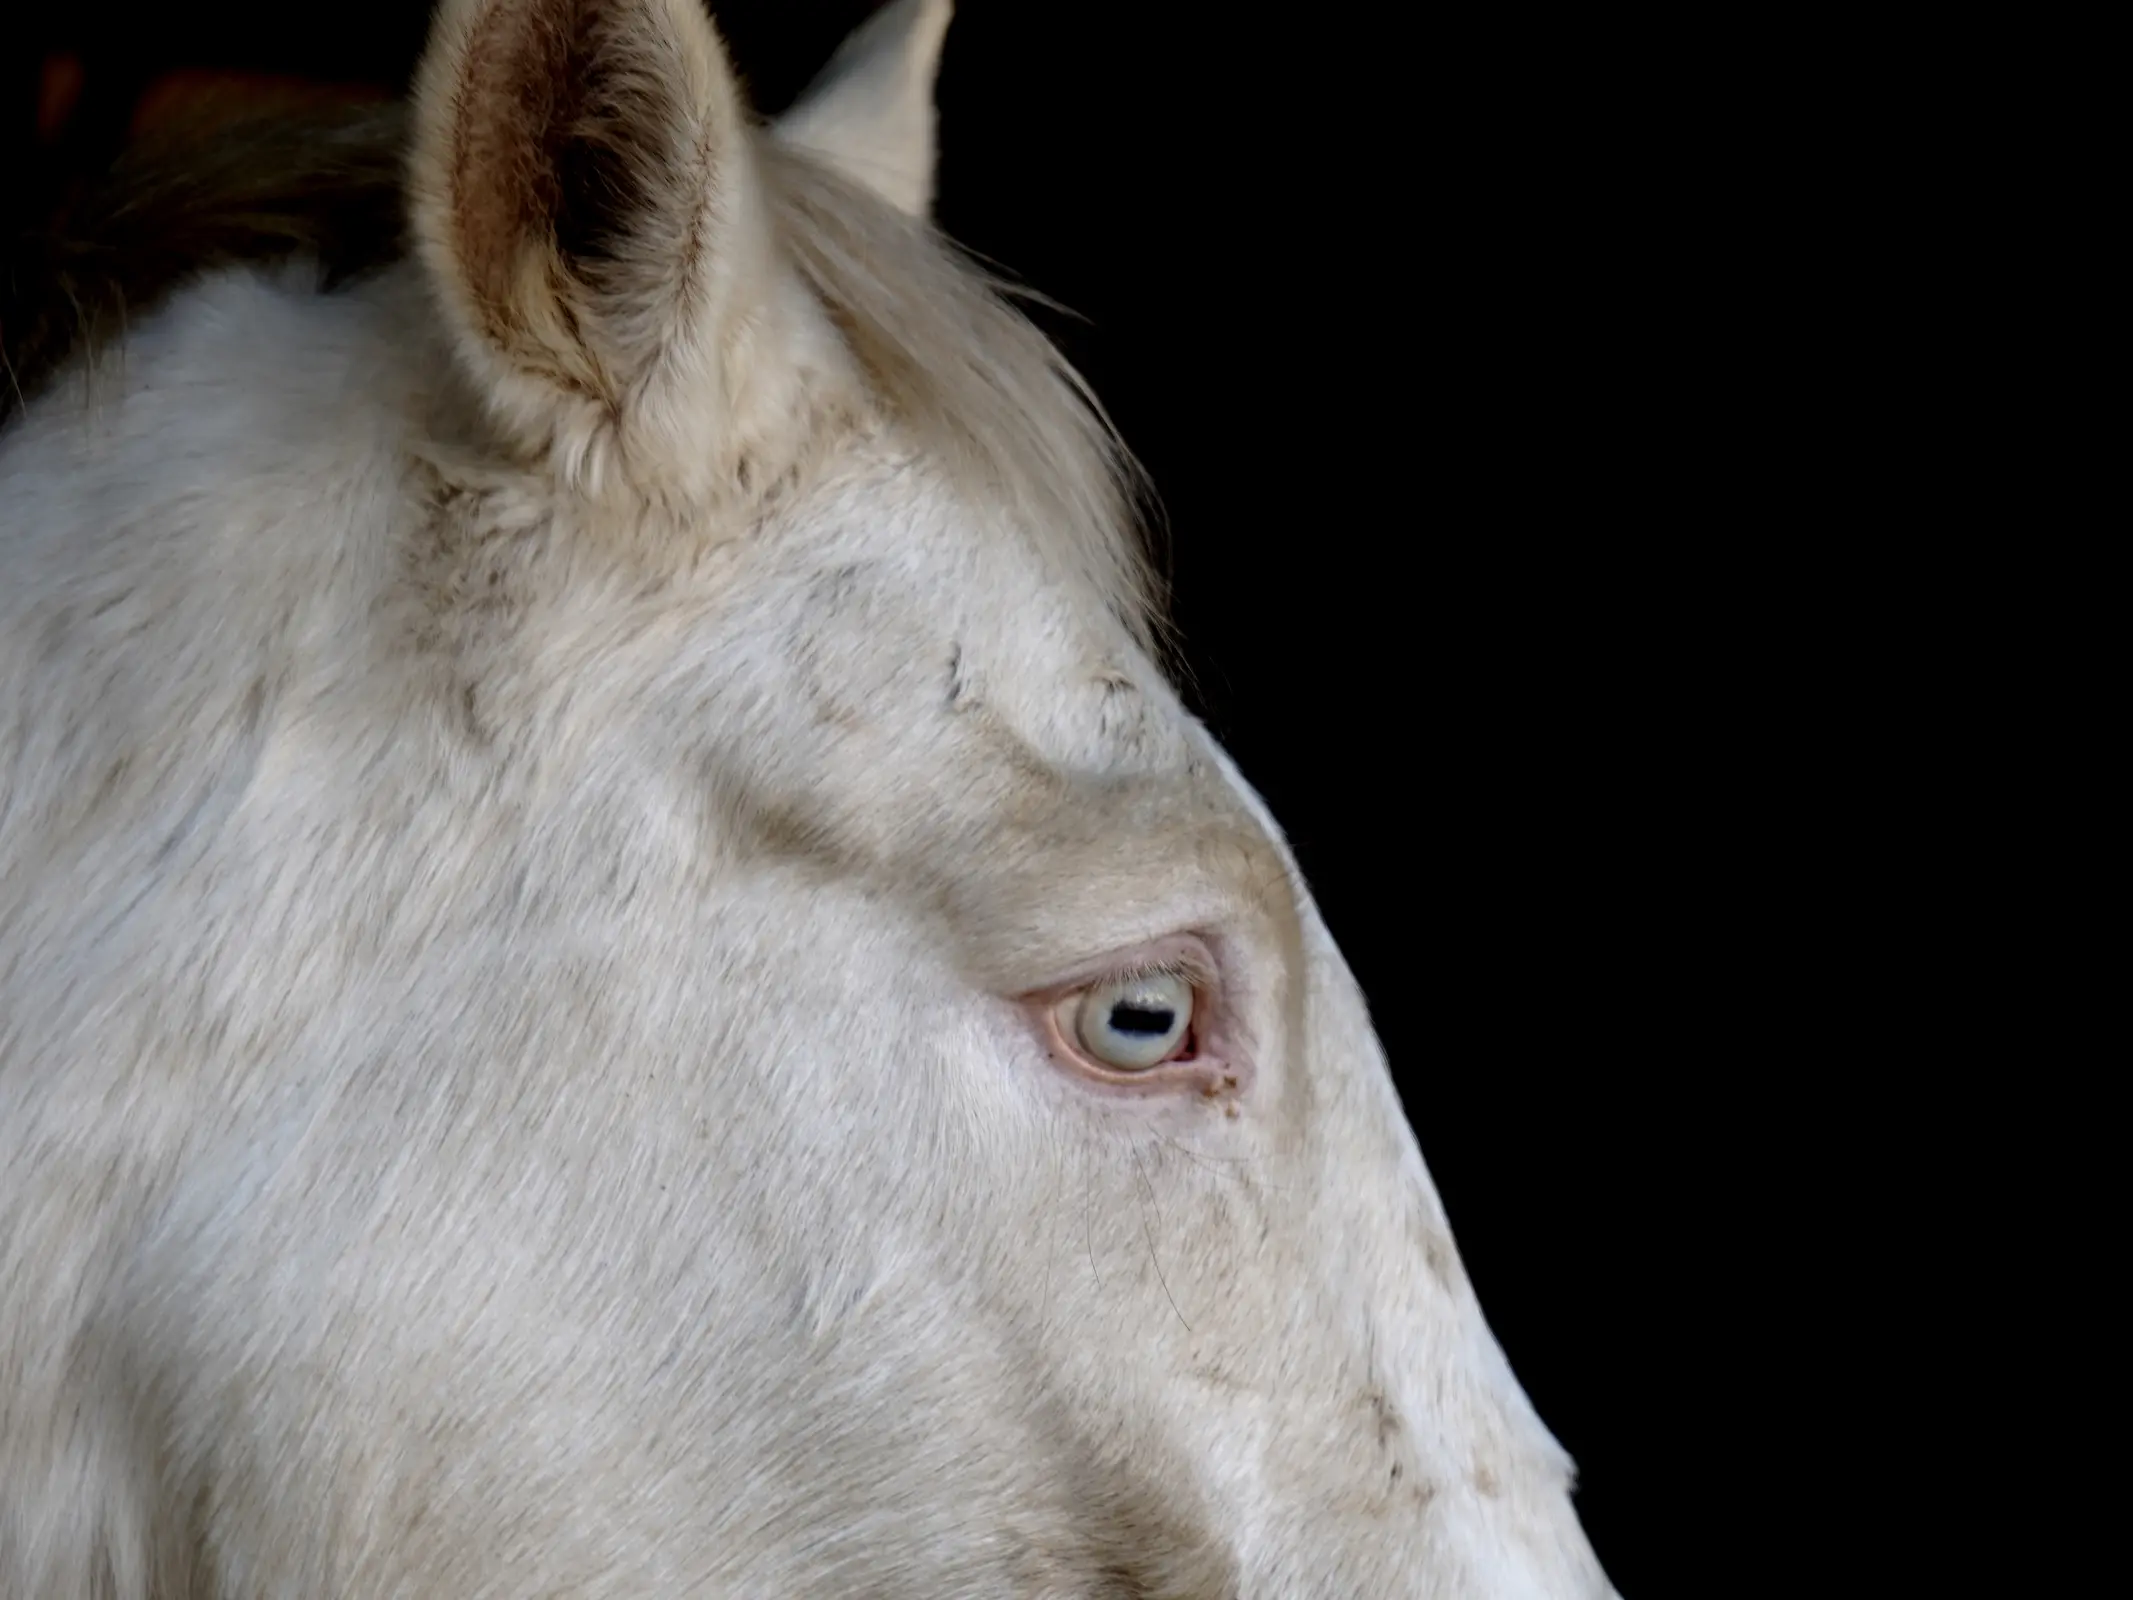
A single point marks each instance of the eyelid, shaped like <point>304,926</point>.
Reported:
<point>1179,955</point>
<point>1191,972</point>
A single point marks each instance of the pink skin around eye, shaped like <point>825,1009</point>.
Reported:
<point>1205,1071</point>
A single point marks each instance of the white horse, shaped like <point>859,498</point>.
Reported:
<point>619,974</point>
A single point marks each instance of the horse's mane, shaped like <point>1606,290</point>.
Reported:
<point>942,346</point>
<point>323,185</point>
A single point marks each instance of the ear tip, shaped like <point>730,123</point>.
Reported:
<point>919,24</point>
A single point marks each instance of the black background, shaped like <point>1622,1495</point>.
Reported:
<point>1369,297</point>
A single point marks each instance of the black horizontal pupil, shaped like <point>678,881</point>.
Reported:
<point>1129,1018</point>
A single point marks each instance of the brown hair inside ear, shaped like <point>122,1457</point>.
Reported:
<point>564,126</point>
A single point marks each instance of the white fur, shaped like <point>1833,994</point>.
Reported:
<point>512,1072</point>
<point>871,112</point>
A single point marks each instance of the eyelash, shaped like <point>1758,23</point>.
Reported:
<point>1186,971</point>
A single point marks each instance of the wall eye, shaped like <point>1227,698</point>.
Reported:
<point>1131,1024</point>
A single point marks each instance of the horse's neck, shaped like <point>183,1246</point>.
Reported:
<point>243,426</point>
<point>180,516</point>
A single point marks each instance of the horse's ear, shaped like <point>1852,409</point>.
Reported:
<point>585,199</point>
<point>870,112</point>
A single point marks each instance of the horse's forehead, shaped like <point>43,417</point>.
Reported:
<point>924,607</point>
<point>945,709</point>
